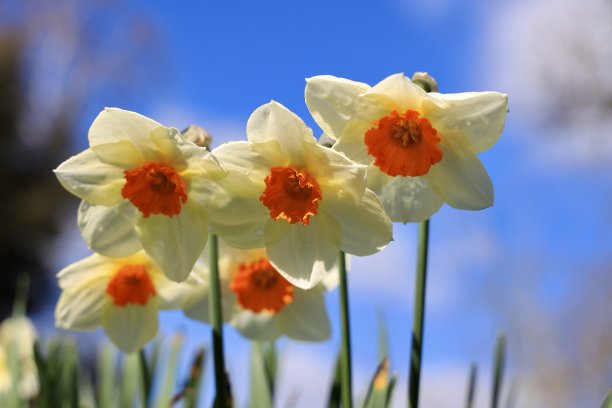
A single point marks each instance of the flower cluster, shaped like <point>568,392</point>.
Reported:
<point>283,204</point>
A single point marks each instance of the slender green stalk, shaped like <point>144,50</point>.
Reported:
<point>146,378</point>
<point>216,320</point>
<point>471,390</point>
<point>345,355</point>
<point>498,369</point>
<point>419,317</point>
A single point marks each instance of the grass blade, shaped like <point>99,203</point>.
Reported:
<point>498,370</point>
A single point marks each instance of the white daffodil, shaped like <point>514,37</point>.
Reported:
<point>123,295</point>
<point>420,147</point>
<point>17,337</point>
<point>258,301</point>
<point>314,199</point>
<point>144,186</point>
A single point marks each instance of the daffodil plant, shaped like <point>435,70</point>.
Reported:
<point>283,207</point>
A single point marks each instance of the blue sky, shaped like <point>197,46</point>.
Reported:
<point>221,60</point>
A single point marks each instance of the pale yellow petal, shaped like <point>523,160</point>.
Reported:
<point>460,179</point>
<point>273,121</point>
<point>480,115</point>
<point>397,92</point>
<point>132,326</point>
<point>115,125</point>
<point>306,317</point>
<point>257,326</point>
<point>365,227</point>
<point>175,243</point>
<point>334,172</point>
<point>110,231</point>
<point>333,102</point>
<point>122,154</point>
<point>407,199</point>
<point>252,160</point>
<point>303,254</point>
<point>232,200</point>
<point>85,176</point>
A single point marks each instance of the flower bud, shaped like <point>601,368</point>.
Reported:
<point>198,135</point>
<point>425,81</point>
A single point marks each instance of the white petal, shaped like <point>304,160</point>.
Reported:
<point>257,326</point>
<point>253,160</point>
<point>173,295</point>
<point>334,172</point>
<point>196,304</point>
<point>397,92</point>
<point>199,160</point>
<point>115,125</point>
<point>352,142</point>
<point>243,236</point>
<point>365,226</point>
<point>132,326</point>
<point>273,121</point>
<point>306,317</point>
<point>459,178</point>
<point>81,309</point>
<point>232,200</point>
<point>85,176</point>
<point>82,272</point>
<point>480,115</point>
<point>175,243</point>
<point>122,154</point>
<point>406,199</point>
<point>303,254</point>
<point>110,231</point>
<point>333,102</point>
<point>83,296</point>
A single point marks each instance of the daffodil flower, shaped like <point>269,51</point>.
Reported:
<point>123,295</point>
<point>17,337</point>
<point>258,301</point>
<point>144,186</point>
<point>420,147</point>
<point>314,199</point>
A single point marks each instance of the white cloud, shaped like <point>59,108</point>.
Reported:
<point>553,58</point>
<point>388,276</point>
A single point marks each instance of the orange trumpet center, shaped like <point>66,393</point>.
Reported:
<point>155,188</point>
<point>291,194</point>
<point>131,285</point>
<point>403,144</point>
<point>259,287</point>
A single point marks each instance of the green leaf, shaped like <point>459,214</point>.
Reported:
<point>130,380</point>
<point>498,369</point>
<point>383,337</point>
<point>193,388</point>
<point>335,393</point>
<point>260,390</point>
<point>471,388</point>
<point>167,386</point>
<point>107,358</point>
<point>377,395</point>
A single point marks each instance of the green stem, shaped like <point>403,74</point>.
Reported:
<point>419,317</point>
<point>345,363</point>
<point>498,369</point>
<point>216,320</point>
<point>471,390</point>
<point>146,378</point>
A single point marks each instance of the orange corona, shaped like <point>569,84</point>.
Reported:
<point>259,287</point>
<point>291,194</point>
<point>131,285</point>
<point>403,144</point>
<point>155,188</point>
